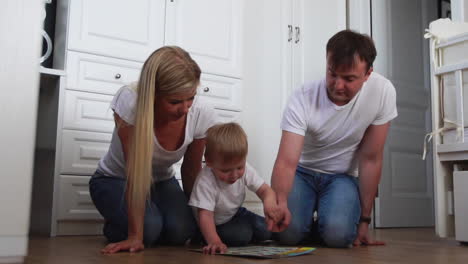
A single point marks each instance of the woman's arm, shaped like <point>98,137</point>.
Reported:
<point>134,240</point>
<point>192,163</point>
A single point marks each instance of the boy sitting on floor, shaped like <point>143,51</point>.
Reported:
<point>219,192</point>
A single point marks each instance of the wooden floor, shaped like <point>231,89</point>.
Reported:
<point>415,245</point>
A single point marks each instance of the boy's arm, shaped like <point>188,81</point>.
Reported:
<point>268,197</point>
<point>208,229</point>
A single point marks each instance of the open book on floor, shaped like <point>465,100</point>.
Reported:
<point>264,251</point>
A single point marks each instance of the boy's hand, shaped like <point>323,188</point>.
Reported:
<point>212,248</point>
<point>273,216</point>
<point>282,219</point>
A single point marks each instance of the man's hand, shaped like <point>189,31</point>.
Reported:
<point>212,248</point>
<point>131,244</point>
<point>363,237</point>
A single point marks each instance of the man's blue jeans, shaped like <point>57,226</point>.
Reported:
<point>335,197</point>
<point>168,218</point>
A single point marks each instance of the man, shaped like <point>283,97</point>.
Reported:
<point>333,128</point>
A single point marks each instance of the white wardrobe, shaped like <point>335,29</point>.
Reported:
<point>99,47</point>
<point>244,48</point>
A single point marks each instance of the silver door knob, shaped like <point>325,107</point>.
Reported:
<point>206,89</point>
<point>117,76</point>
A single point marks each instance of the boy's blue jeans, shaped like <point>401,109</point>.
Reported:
<point>168,218</point>
<point>243,228</point>
<point>335,197</point>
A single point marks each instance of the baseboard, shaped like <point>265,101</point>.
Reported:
<point>79,228</point>
<point>13,249</point>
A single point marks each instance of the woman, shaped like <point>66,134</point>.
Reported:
<point>158,121</point>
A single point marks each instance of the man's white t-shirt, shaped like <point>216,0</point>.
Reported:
<point>199,118</point>
<point>332,133</point>
<point>223,199</point>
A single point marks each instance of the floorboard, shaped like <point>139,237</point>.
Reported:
<point>413,245</point>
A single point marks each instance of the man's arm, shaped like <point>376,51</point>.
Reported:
<point>370,170</point>
<point>283,172</point>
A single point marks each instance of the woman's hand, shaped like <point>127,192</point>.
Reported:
<point>131,245</point>
<point>212,248</point>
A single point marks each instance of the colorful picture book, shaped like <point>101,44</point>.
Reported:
<point>265,251</point>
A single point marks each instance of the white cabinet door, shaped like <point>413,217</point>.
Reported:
<point>306,30</point>
<point>98,74</point>
<point>74,201</point>
<point>117,28</point>
<point>210,30</point>
<point>222,92</point>
<point>81,151</point>
<point>225,116</point>
<point>88,111</point>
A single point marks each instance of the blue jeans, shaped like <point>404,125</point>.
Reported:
<point>335,197</point>
<point>243,228</point>
<point>168,219</point>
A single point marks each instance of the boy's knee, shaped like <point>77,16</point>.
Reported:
<point>237,238</point>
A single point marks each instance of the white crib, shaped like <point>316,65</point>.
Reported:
<point>449,69</point>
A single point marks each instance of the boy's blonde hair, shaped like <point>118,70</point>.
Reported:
<point>168,70</point>
<point>226,142</point>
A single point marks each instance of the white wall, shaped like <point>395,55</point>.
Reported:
<point>19,53</point>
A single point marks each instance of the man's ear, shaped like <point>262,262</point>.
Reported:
<point>371,69</point>
<point>208,162</point>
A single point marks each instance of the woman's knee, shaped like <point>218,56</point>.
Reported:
<point>152,229</point>
<point>177,233</point>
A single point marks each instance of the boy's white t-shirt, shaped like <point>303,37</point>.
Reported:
<point>199,118</point>
<point>332,133</point>
<point>223,199</point>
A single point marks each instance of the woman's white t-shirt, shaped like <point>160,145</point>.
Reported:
<point>221,198</point>
<point>199,118</point>
<point>332,133</point>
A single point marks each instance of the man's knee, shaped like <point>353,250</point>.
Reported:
<point>292,236</point>
<point>337,234</point>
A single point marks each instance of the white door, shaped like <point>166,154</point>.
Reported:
<point>117,28</point>
<point>405,197</point>
<point>210,30</point>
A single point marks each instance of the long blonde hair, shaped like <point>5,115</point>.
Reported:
<point>168,70</point>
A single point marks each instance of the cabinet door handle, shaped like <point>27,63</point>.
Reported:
<point>298,34</point>
<point>290,33</point>
<point>117,76</point>
<point>206,89</point>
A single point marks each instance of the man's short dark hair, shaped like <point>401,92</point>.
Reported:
<point>345,45</point>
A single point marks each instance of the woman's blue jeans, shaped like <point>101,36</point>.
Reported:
<point>335,197</point>
<point>168,218</point>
